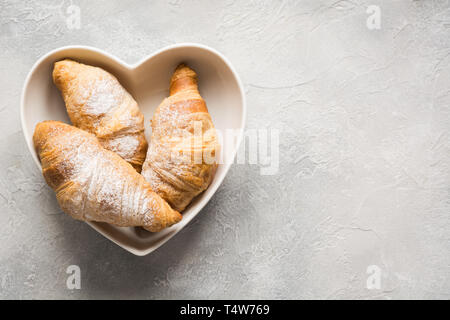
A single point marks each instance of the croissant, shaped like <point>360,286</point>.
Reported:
<point>181,159</point>
<point>94,184</point>
<point>97,103</point>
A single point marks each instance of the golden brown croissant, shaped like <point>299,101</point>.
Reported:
<point>181,159</point>
<point>94,184</point>
<point>97,103</point>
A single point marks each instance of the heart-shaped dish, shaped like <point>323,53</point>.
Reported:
<point>148,82</point>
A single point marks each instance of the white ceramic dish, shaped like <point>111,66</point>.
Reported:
<point>148,82</point>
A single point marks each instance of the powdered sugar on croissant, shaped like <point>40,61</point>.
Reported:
<point>181,159</point>
<point>97,103</point>
<point>94,184</point>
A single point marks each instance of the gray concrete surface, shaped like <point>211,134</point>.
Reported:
<point>364,174</point>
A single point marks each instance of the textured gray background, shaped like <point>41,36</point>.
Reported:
<point>364,120</point>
